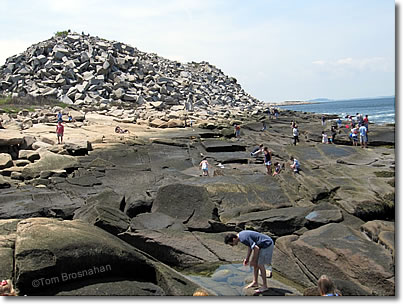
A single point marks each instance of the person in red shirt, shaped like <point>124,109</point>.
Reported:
<point>366,122</point>
<point>59,132</point>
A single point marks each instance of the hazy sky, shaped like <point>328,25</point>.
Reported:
<point>277,49</point>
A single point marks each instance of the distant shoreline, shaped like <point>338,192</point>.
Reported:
<point>294,103</point>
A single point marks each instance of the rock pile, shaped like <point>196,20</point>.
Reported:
<point>89,71</point>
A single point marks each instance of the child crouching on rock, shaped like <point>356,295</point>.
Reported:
<point>277,168</point>
<point>295,164</point>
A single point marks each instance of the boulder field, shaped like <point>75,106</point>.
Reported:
<point>128,211</point>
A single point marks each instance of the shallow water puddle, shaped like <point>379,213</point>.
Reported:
<point>231,279</point>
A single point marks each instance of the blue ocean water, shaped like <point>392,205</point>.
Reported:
<point>379,110</point>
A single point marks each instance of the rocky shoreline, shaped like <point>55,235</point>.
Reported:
<point>143,192</point>
<point>108,213</point>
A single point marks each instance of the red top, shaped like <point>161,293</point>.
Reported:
<point>60,129</point>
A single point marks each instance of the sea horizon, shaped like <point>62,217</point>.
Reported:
<point>379,110</point>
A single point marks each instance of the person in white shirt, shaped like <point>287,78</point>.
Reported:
<point>324,138</point>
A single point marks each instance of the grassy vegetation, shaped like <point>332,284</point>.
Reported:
<point>391,182</point>
<point>14,105</point>
<point>62,33</point>
<point>384,174</point>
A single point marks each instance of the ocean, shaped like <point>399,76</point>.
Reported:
<point>379,110</point>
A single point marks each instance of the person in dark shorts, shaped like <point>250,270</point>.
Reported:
<point>267,159</point>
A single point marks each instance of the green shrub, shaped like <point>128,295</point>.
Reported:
<point>62,33</point>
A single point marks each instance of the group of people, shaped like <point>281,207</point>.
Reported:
<point>359,127</point>
<point>260,253</point>
<point>267,156</point>
<point>329,140</point>
<point>273,112</point>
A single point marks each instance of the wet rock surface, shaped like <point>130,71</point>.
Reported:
<point>137,200</point>
<point>335,216</point>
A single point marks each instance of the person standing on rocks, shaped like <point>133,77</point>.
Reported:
<point>59,132</point>
<point>59,116</point>
<point>262,247</point>
<point>267,159</point>
<point>237,131</point>
<point>354,135</point>
<point>324,138</point>
<point>323,119</point>
<point>366,122</point>
<point>333,132</point>
<point>295,133</point>
<point>276,113</point>
<point>204,166</point>
<point>339,122</point>
<point>363,136</point>
<point>264,127</point>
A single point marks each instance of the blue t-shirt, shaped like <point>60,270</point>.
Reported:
<point>252,238</point>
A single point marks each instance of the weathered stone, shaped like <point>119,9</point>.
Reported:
<point>29,154</point>
<point>49,161</point>
<point>4,183</point>
<point>187,203</point>
<point>5,161</point>
<point>50,248</point>
<point>343,253</point>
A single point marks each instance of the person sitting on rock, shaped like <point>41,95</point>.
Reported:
<point>60,132</point>
<point>257,151</point>
<point>120,130</point>
<point>262,247</point>
<point>326,287</point>
<point>7,289</point>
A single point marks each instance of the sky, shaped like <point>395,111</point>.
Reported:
<point>277,49</point>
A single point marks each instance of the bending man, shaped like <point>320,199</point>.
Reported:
<point>262,247</point>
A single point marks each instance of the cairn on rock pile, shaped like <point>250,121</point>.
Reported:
<point>90,72</point>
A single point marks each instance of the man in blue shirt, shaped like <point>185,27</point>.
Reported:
<point>363,136</point>
<point>262,247</point>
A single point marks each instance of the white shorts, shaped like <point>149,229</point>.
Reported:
<point>268,163</point>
